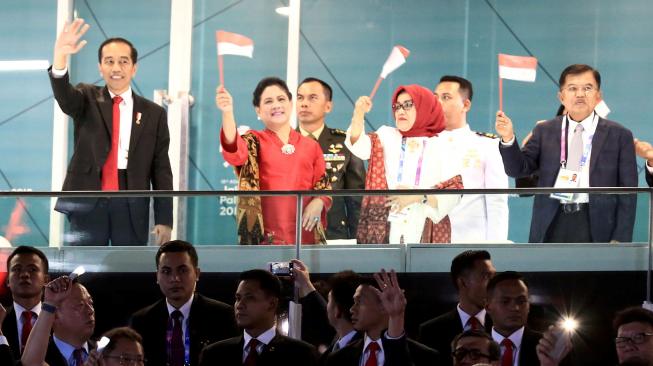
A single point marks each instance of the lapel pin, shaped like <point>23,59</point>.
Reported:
<point>138,118</point>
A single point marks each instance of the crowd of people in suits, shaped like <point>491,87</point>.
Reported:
<point>355,320</point>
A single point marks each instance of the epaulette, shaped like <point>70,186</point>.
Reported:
<point>487,134</point>
<point>337,131</point>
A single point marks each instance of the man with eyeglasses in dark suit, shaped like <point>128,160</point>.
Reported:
<point>634,341</point>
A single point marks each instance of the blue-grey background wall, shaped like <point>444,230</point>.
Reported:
<point>342,42</point>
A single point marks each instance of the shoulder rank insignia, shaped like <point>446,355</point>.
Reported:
<point>487,134</point>
<point>337,131</point>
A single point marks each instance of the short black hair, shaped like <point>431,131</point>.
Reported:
<point>178,246</point>
<point>343,287</point>
<point>494,349</point>
<point>116,334</point>
<point>465,261</point>
<point>26,249</point>
<point>263,84</point>
<point>269,283</point>
<point>464,85</point>
<point>328,92</point>
<point>133,51</point>
<point>632,314</point>
<point>576,69</point>
<point>503,276</point>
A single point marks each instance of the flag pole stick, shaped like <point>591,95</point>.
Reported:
<point>220,70</point>
<point>501,94</point>
<point>376,87</point>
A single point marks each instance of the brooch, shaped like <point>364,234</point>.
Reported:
<point>288,149</point>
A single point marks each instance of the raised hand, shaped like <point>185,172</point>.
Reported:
<point>68,42</point>
<point>57,290</point>
<point>302,277</point>
<point>393,301</point>
<point>644,150</point>
<point>504,128</point>
<point>223,100</point>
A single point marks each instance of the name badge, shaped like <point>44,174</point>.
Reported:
<point>566,179</point>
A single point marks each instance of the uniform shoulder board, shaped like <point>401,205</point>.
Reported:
<point>337,131</point>
<point>487,134</point>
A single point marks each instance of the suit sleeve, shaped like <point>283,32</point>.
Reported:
<point>70,99</point>
<point>496,204</point>
<point>354,179</point>
<point>626,203</point>
<point>649,175</point>
<point>315,323</point>
<point>522,163</point>
<point>162,173</point>
<point>236,152</point>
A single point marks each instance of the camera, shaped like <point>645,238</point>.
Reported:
<point>282,269</point>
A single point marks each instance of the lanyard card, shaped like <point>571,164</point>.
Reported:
<point>566,179</point>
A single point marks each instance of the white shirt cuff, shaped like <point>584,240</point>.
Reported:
<point>3,340</point>
<point>649,168</point>
<point>387,336</point>
<point>59,73</point>
<point>509,143</point>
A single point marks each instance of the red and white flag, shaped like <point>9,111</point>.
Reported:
<point>397,57</point>
<point>234,44</point>
<point>521,68</point>
<point>602,109</point>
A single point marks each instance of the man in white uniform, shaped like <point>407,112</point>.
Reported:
<point>477,218</point>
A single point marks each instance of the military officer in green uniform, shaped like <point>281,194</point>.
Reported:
<point>345,171</point>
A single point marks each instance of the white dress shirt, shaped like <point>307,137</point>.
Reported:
<point>264,339</point>
<point>464,317</point>
<point>589,127</point>
<point>342,342</point>
<point>380,354</point>
<point>19,318</point>
<point>516,339</point>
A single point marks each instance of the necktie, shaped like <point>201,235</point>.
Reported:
<point>252,354</point>
<point>177,352</point>
<point>110,168</point>
<point>474,324</point>
<point>371,359</point>
<point>26,316</point>
<point>575,149</point>
<point>78,356</point>
<point>506,359</point>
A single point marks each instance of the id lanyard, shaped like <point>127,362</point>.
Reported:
<point>563,146</point>
<point>402,157</point>
<point>186,341</point>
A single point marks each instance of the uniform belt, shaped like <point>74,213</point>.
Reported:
<point>569,208</point>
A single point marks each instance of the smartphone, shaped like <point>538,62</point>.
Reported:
<point>282,269</point>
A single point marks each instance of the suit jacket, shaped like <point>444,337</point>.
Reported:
<point>6,356</point>
<point>649,176</point>
<point>316,329</point>
<point>54,358</point>
<point>438,332</point>
<point>325,355</point>
<point>527,353</point>
<point>10,330</point>
<point>345,171</point>
<point>281,350</point>
<point>612,164</point>
<point>90,107</point>
<point>209,321</point>
<point>398,352</point>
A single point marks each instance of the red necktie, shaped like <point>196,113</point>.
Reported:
<point>177,351</point>
<point>371,359</point>
<point>474,324</point>
<point>78,355</point>
<point>506,359</point>
<point>26,316</point>
<point>252,354</point>
<point>110,168</point>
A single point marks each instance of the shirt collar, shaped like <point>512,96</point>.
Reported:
<point>464,317</point>
<point>369,340</point>
<point>342,342</point>
<point>19,310</point>
<point>515,337</point>
<point>185,309</point>
<point>66,349</point>
<point>265,337</point>
<point>315,133</point>
<point>457,131</point>
<point>126,96</point>
<point>589,123</point>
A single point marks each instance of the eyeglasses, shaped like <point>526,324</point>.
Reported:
<point>473,354</point>
<point>637,338</point>
<point>586,90</point>
<point>127,360</point>
<point>406,106</point>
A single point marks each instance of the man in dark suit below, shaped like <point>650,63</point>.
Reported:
<point>473,347</point>
<point>176,328</point>
<point>634,341</point>
<point>601,152</point>
<point>471,271</point>
<point>645,151</point>
<point>334,312</point>
<point>257,302</point>
<point>71,326</point>
<point>28,273</point>
<point>378,312</point>
<point>508,306</point>
<point>121,142</point>
<point>344,170</point>
<point>6,356</point>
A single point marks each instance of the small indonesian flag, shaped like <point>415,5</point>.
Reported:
<point>520,68</point>
<point>602,109</point>
<point>397,58</point>
<point>234,44</point>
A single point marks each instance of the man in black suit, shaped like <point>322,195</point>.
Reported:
<point>634,343</point>
<point>71,326</point>
<point>176,328</point>
<point>28,273</point>
<point>378,312</point>
<point>508,306</point>
<point>344,169</point>
<point>471,271</point>
<point>121,142</point>
<point>601,152</point>
<point>645,151</point>
<point>472,347</point>
<point>6,356</point>
<point>257,302</point>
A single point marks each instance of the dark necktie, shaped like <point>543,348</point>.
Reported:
<point>110,168</point>
<point>252,354</point>
<point>26,316</point>
<point>371,359</point>
<point>78,356</point>
<point>474,324</point>
<point>575,149</point>
<point>177,352</point>
<point>506,359</point>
